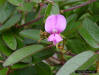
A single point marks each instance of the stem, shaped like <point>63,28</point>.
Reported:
<point>0,24</point>
<point>70,54</point>
<point>97,52</point>
<point>37,19</point>
<point>28,23</point>
<point>78,6</point>
<point>1,61</point>
<point>8,71</point>
<point>54,60</point>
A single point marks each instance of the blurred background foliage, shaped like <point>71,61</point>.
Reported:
<point>24,49</point>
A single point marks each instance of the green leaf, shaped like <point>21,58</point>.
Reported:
<point>95,7</point>
<point>3,49</point>
<point>72,27</point>
<point>71,18</point>
<point>22,53</point>
<point>20,42</point>
<point>92,28</point>
<point>5,12</point>
<point>43,69</point>
<point>47,11</point>
<point>51,9</point>
<point>74,63</point>
<point>31,34</point>
<point>72,0</point>
<point>2,2</point>
<point>3,71</point>
<point>20,65</point>
<point>26,7</point>
<point>16,2</point>
<point>10,40</point>
<point>27,59</point>
<point>88,64</point>
<point>89,31</point>
<point>88,38</point>
<point>58,0</point>
<point>25,71</point>
<point>37,1</point>
<point>95,74</point>
<point>76,45</point>
<point>55,9</point>
<point>44,54</point>
<point>11,22</point>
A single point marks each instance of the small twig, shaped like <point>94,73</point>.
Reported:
<point>0,24</point>
<point>50,1</point>
<point>28,23</point>
<point>97,52</point>
<point>41,6</point>
<point>1,61</point>
<point>70,54</point>
<point>8,71</point>
<point>78,6</point>
<point>85,74</point>
<point>54,60</point>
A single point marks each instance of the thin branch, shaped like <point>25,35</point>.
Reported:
<point>53,60</point>
<point>31,22</point>
<point>37,19</point>
<point>8,71</point>
<point>81,5</point>
<point>70,54</point>
<point>1,61</point>
<point>97,52</point>
<point>41,6</point>
<point>0,24</point>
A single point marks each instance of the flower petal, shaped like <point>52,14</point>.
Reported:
<point>55,38</point>
<point>55,23</point>
<point>50,23</point>
<point>61,23</point>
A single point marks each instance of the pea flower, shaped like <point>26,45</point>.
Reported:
<point>55,24</point>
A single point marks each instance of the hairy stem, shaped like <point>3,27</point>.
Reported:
<point>28,23</point>
<point>78,6</point>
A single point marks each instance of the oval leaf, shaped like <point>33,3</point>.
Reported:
<point>10,40</point>
<point>11,22</point>
<point>84,33</point>
<point>3,48</point>
<point>43,69</point>
<point>92,28</point>
<point>31,34</point>
<point>22,53</point>
<point>16,2</point>
<point>75,62</point>
<point>5,12</point>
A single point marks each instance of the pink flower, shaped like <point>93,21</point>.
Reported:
<point>55,24</point>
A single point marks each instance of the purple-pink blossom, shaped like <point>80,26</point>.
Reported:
<point>55,24</point>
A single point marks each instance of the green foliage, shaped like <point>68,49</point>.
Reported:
<point>11,22</point>
<point>24,49</point>
<point>25,71</point>
<point>43,69</point>
<point>76,62</point>
<point>5,12</point>
<point>3,49</point>
<point>10,40</point>
<point>22,53</point>
<point>3,71</point>
<point>31,34</point>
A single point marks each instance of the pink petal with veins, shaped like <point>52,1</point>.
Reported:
<point>55,24</point>
<point>55,38</point>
